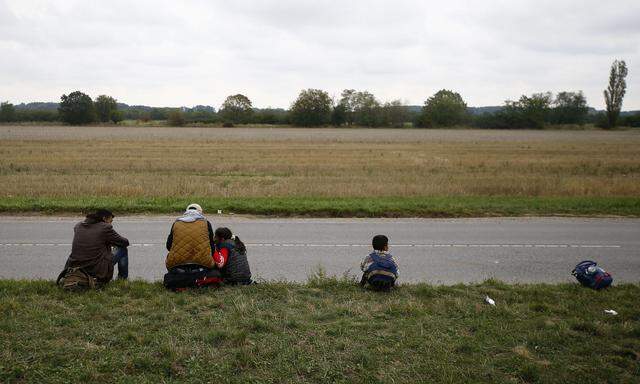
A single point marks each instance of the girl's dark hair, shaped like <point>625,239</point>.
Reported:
<point>225,233</point>
<point>99,215</point>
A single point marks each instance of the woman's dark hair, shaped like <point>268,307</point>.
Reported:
<point>224,233</point>
<point>99,215</point>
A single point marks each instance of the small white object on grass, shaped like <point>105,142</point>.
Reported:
<point>489,301</point>
<point>610,312</point>
<point>219,211</point>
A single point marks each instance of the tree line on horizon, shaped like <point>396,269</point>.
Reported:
<point>314,108</point>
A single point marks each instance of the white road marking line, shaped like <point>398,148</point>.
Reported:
<point>456,245</point>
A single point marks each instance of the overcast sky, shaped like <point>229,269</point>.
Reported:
<point>183,53</point>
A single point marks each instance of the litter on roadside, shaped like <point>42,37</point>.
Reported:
<point>489,301</point>
<point>610,312</point>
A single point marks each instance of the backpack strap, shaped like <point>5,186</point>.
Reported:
<point>365,275</point>
<point>375,260</point>
<point>92,281</point>
<point>62,275</point>
<point>586,263</point>
<point>582,266</point>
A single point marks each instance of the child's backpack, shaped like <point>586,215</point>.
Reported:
<point>75,279</point>
<point>381,274</point>
<point>191,276</point>
<point>590,275</point>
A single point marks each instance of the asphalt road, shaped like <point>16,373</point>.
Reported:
<point>438,251</point>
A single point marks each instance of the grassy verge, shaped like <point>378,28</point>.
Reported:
<point>478,206</point>
<point>324,331</point>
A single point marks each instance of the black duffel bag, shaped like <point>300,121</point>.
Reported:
<point>191,276</point>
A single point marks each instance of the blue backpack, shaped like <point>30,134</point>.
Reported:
<point>590,275</point>
<point>382,273</point>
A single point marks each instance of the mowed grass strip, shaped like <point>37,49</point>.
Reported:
<point>463,206</point>
<point>327,330</point>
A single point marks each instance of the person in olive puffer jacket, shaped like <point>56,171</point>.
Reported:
<point>230,257</point>
<point>190,241</point>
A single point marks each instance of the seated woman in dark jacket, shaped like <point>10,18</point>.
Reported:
<point>230,257</point>
<point>93,240</point>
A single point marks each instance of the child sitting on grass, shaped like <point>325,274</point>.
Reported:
<point>230,256</point>
<point>379,268</point>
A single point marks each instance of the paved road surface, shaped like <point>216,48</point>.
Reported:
<point>439,251</point>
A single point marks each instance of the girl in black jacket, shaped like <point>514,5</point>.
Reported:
<point>230,256</point>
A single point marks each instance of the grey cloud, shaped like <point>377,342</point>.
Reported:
<point>198,52</point>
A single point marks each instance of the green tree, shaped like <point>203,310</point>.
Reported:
<point>347,104</point>
<point>175,118</point>
<point>106,107</point>
<point>631,120</point>
<point>77,108</point>
<point>367,111</point>
<point>528,112</point>
<point>236,109</point>
<point>116,116</point>
<point>569,108</point>
<point>201,114</point>
<point>339,115</point>
<point>444,109</point>
<point>360,108</point>
<point>312,108</point>
<point>270,116</point>
<point>7,112</point>
<point>535,109</point>
<point>614,94</point>
<point>36,115</point>
<point>394,114</point>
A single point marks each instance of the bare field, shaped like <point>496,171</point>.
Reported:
<point>266,133</point>
<point>252,162</point>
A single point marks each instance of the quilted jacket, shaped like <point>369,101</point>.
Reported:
<point>190,244</point>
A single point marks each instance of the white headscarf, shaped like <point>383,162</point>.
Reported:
<point>191,215</point>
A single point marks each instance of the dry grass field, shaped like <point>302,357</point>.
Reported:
<point>68,162</point>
